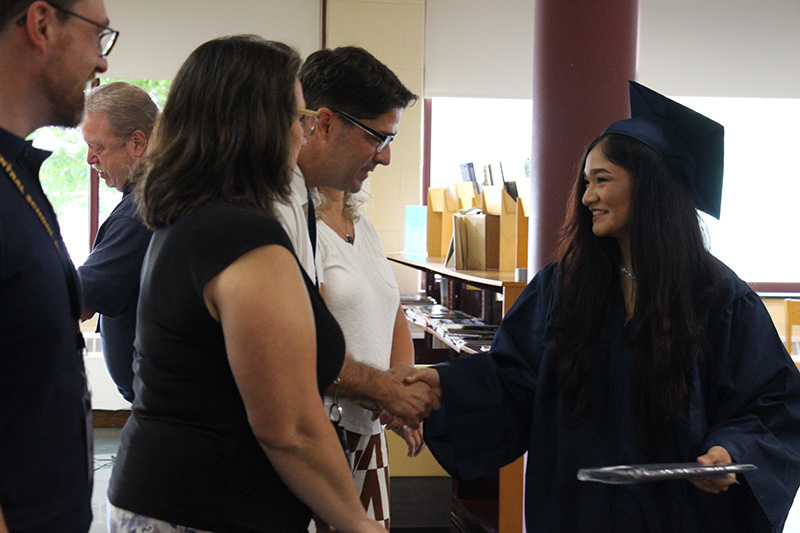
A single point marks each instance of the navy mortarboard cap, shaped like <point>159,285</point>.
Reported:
<point>692,144</point>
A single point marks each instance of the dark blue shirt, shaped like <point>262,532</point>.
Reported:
<point>45,481</point>
<point>110,282</point>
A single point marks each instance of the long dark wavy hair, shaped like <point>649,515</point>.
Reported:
<point>225,132</point>
<point>676,279</point>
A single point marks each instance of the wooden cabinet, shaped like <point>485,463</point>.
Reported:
<point>491,294</point>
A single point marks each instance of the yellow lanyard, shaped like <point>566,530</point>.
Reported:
<point>31,202</point>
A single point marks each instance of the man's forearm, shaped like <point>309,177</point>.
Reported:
<point>365,384</point>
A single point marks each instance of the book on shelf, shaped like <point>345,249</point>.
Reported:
<point>473,345</point>
<point>460,330</point>
<point>450,257</point>
<point>468,174</point>
<point>468,327</point>
<point>515,175</point>
<point>429,315</point>
<point>408,300</point>
<point>479,333</point>
<point>436,311</point>
<point>496,173</point>
<point>444,323</point>
<point>476,241</point>
<point>511,189</point>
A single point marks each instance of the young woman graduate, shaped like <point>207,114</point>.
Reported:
<point>635,346</point>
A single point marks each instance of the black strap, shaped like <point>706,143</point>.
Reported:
<point>312,225</point>
<point>312,233</point>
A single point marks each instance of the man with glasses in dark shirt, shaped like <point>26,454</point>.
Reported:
<point>49,51</point>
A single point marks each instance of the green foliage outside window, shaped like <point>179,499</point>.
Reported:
<point>65,175</point>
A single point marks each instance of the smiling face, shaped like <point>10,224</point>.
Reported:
<point>608,195</point>
<point>356,151</point>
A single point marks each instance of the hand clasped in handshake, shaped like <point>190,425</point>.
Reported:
<point>415,392</point>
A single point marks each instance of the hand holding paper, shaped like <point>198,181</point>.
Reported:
<point>716,455</point>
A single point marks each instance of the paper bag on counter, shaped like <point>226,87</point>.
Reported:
<point>477,241</point>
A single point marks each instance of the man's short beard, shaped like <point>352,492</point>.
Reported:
<point>65,99</point>
<point>67,114</point>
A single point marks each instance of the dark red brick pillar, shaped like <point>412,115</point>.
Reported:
<point>584,54</point>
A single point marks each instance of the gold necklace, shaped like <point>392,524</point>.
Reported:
<point>347,237</point>
<point>31,202</point>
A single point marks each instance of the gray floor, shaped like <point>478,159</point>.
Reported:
<point>106,442</point>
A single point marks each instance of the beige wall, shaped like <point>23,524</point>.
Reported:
<point>393,31</point>
<point>157,36</point>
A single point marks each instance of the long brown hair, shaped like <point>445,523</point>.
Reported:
<point>225,132</point>
<point>676,278</point>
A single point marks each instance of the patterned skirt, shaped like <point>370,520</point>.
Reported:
<point>370,464</point>
<point>122,521</point>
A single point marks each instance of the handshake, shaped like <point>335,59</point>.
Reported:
<point>401,397</point>
<point>411,394</point>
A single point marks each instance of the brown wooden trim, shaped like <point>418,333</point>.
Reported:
<point>110,419</point>
<point>94,195</point>
<point>94,205</point>
<point>474,516</point>
<point>427,112</point>
<point>784,287</point>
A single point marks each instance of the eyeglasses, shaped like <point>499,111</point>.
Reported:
<point>308,119</point>
<point>105,39</point>
<point>383,138</point>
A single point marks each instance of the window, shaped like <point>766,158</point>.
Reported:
<point>760,193</point>
<point>66,180</point>
<point>761,189</point>
<point>481,131</point>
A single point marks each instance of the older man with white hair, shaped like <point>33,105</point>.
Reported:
<point>118,121</point>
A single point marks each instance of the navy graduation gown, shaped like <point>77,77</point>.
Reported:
<point>745,397</point>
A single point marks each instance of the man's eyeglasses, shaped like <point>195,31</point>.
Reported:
<point>308,119</point>
<point>383,138</point>
<point>105,39</point>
